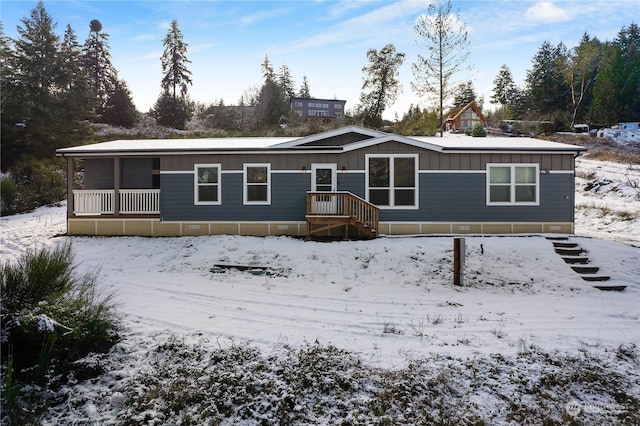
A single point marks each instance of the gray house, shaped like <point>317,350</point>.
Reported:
<point>350,180</point>
<point>323,110</point>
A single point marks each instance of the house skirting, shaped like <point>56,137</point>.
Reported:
<point>153,227</point>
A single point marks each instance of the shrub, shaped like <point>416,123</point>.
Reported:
<point>34,183</point>
<point>478,131</point>
<point>51,317</point>
<point>8,194</point>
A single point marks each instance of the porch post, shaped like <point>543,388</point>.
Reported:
<point>116,186</point>
<point>71,175</point>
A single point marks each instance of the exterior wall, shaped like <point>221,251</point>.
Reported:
<point>452,194</point>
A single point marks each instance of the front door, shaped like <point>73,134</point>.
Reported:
<point>324,179</point>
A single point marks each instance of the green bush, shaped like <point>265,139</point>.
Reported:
<point>51,317</point>
<point>33,183</point>
<point>478,131</point>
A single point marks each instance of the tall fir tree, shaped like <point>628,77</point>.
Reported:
<point>174,60</point>
<point>464,94</point>
<point>304,92</point>
<point>286,83</point>
<point>97,56</point>
<point>547,90</point>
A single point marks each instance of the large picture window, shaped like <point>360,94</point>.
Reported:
<point>257,184</point>
<point>392,180</point>
<point>513,184</point>
<point>207,184</point>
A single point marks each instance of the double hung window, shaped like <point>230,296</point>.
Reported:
<point>513,184</point>
<point>207,184</point>
<point>257,183</point>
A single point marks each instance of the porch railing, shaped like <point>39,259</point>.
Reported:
<point>344,204</point>
<point>101,201</point>
<point>139,201</point>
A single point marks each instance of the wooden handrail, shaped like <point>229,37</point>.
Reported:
<point>343,204</point>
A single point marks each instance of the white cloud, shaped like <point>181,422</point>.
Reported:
<point>546,11</point>
<point>264,15</point>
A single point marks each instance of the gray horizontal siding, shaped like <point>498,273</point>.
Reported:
<point>444,197</point>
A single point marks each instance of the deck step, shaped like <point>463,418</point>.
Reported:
<point>575,260</point>
<point>596,278</point>
<point>557,238</point>
<point>569,251</point>
<point>611,287</point>
<point>586,269</point>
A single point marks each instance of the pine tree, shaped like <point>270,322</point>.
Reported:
<point>304,88</point>
<point>503,87</point>
<point>119,109</point>
<point>174,62</point>
<point>286,83</point>
<point>97,57</point>
<point>464,94</point>
<point>267,70</point>
<point>445,41</point>
<point>547,89</point>
<point>381,85</point>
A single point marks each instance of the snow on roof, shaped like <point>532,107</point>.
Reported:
<point>449,143</point>
<point>168,145</point>
<point>466,143</point>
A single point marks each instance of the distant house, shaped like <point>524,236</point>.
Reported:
<point>347,181</point>
<point>324,110</point>
<point>465,118</point>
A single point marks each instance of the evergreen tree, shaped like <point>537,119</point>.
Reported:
<point>272,106</point>
<point>98,62</point>
<point>503,87</point>
<point>547,89</point>
<point>267,70</point>
<point>464,94</point>
<point>304,88</point>
<point>443,37</point>
<point>170,111</point>
<point>381,85</point>
<point>174,62</point>
<point>119,109</point>
<point>74,79</point>
<point>286,83</point>
<point>628,47</point>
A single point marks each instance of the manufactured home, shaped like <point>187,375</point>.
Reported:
<point>350,181</point>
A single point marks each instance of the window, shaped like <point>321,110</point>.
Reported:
<point>257,183</point>
<point>299,112</point>
<point>325,105</point>
<point>512,184</point>
<point>207,184</point>
<point>337,106</point>
<point>310,104</point>
<point>318,105</point>
<point>297,103</point>
<point>392,180</point>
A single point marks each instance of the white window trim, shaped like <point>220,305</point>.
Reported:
<point>512,184</point>
<point>392,187</point>
<point>196,184</point>
<point>245,193</point>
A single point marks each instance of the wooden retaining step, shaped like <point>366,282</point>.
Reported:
<point>569,251</point>
<point>564,245</point>
<point>595,278</point>
<point>573,260</point>
<point>611,287</point>
<point>585,269</point>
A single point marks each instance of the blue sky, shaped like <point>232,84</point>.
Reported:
<point>325,40</point>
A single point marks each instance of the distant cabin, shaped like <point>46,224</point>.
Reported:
<point>465,118</point>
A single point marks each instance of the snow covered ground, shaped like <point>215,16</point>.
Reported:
<point>387,301</point>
